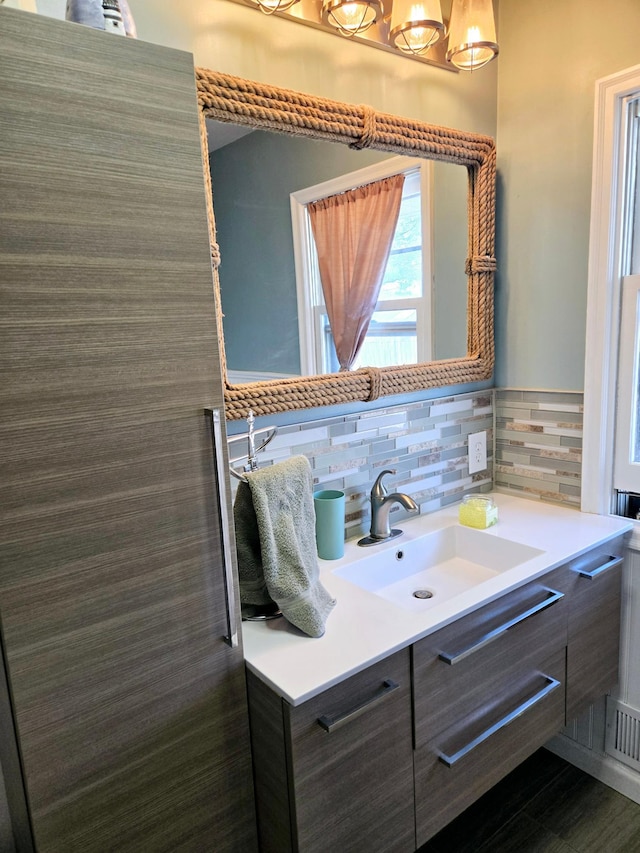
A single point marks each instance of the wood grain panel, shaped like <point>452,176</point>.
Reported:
<point>445,694</point>
<point>130,708</point>
<point>348,789</point>
<point>444,792</point>
<point>594,643</point>
<point>594,618</point>
<point>353,787</point>
<point>15,827</point>
<point>593,652</point>
<point>269,750</point>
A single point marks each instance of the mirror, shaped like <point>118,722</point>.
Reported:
<point>319,124</point>
<point>269,329</point>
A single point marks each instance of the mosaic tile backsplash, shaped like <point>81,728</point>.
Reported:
<point>426,444</point>
<point>539,444</point>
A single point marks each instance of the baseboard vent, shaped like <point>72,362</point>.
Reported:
<point>623,733</point>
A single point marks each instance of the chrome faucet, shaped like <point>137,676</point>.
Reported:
<point>381,503</point>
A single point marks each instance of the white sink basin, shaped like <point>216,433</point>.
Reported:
<point>438,565</point>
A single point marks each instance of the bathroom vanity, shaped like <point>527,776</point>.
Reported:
<point>377,735</point>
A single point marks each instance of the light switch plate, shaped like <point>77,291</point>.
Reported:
<point>477,452</point>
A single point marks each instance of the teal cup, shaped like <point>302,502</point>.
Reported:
<point>329,506</point>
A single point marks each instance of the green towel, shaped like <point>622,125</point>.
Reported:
<point>253,587</point>
<point>283,502</point>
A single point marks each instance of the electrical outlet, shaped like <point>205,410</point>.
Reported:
<point>477,452</point>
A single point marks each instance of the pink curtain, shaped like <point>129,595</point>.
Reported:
<point>353,233</point>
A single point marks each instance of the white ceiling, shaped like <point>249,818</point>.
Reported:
<point>220,134</point>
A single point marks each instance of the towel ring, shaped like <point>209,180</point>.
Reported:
<point>250,460</point>
<point>260,612</point>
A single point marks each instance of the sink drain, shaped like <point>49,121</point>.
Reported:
<point>423,593</point>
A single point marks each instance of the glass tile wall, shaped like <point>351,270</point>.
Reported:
<point>425,443</point>
<point>539,444</point>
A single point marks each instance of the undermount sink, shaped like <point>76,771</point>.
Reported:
<point>427,571</point>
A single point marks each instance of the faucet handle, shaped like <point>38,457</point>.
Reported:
<point>379,490</point>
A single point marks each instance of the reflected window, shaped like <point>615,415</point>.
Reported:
<point>399,331</point>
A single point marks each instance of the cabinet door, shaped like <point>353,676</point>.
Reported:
<point>594,590</point>
<point>352,764</point>
<point>130,708</point>
<point>336,773</point>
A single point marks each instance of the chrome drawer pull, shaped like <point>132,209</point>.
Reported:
<point>611,563</point>
<point>216,436</point>
<point>450,760</point>
<point>552,597</point>
<point>330,724</point>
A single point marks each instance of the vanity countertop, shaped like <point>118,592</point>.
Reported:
<point>364,628</point>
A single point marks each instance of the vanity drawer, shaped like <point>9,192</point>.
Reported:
<point>336,773</point>
<point>461,763</point>
<point>351,763</point>
<point>462,667</point>
<point>593,587</point>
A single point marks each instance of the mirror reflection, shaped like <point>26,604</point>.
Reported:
<point>276,322</point>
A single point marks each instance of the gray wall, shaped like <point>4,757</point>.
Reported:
<point>551,55</point>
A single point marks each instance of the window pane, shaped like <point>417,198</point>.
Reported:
<point>391,339</point>
<point>636,454</point>
<point>627,444</point>
<point>633,189</point>
<point>635,217</point>
<point>634,427</point>
<point>403,275</point>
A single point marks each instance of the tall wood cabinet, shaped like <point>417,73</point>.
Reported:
<point>128,706</point>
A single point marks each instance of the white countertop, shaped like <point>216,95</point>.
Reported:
<point>364,628</point>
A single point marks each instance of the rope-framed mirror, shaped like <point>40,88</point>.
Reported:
<point>243,102</point>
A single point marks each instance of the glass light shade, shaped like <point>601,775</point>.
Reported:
<point>472,34</point>
<point>353,17</point>
<point>415,24</point>
<point>271,6</point>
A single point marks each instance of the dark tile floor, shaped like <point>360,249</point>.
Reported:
<point>545,806</point>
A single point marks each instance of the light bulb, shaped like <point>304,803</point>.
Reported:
<point>351,18</point>
<point>271,6</point>
<point>415,26</point>
<point>472,34</point>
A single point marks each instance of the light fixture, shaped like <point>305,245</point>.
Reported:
<point>472,34</point>
<point>414,28</point>
<point>351,17</point>
<point>415,25</point>
<point>271,6</point>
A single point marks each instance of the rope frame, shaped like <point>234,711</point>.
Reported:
<point>232,99</point>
